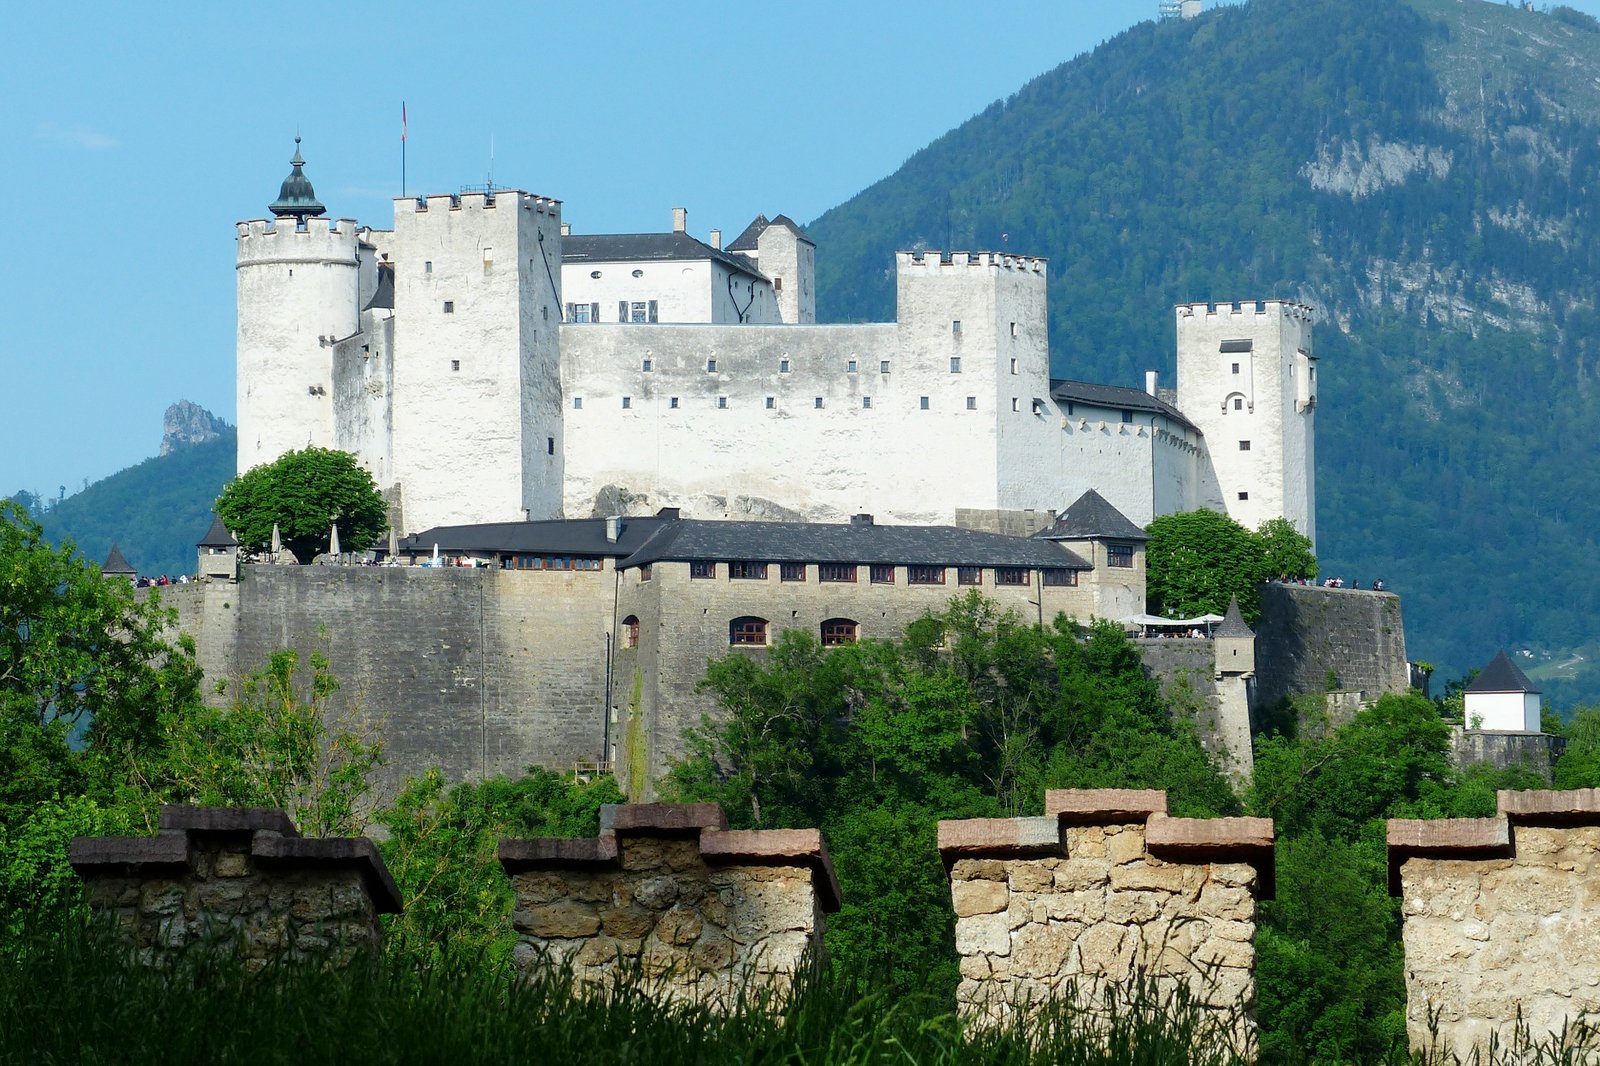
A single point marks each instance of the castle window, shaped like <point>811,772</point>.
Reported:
<point>836,572</point>
<point>777,284</point>
<point>638,273</point>
<point>702,570</point>
<point>818,403</point>
<point>1010,575</point>
<point>955,326</point>
<point>1014,365</point>
<point>1235,368</point>
<point>748,632</point>
<point>1244,446</point>
<point>646,572</point>
<point>584,313</point>
<point>955,364</point>
<point>924,575</point>
<point>544,312</point>
<point>1127,418</point>
<point>747,571</point>
<point>850,367</point>
<point>969,575</point>
<point>711,366</point>
<point>577,403</point>
<point>1014,404</point>
<point>883,366</point>
<point>882,573</point>
<point>783,366</point>
<point>1244,495</point>
<point>449,307</point>
<point>772,403</point>
<point>791,571</point>
<point>1238,403</point>
<point>427,268</point>
<point>1013,329</point>
<point>648,365</point>
<point>722,403</point>
<point>455,364</point>
<point>595,274</point>
<point>627,403</point>
<point>1120,556</point>
<point>637,311</point>
<point>630,631</point>
<point>551,562</point>
<point>549,445</point>
<point>972,403</point>
<point>837,631</point>
<point>922,402</point>
<point>1060,577</point>
<point>866,403</point>
<point>673,403</point>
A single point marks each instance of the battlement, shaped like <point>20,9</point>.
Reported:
<point>262,240</point>
<point>478,201</point>
<point>926,262</point>
<point>1286,308</point>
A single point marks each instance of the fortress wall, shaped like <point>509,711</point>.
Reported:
<point>1104,884</point>
<point>1499,918</point>
<point>707,913</point>
<point>1307,631</point>
<point>1186,669</point>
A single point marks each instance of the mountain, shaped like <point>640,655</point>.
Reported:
<point>1424,173</point>
<point>154,511</point>
<point>186,424</point>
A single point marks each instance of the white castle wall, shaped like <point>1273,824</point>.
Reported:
<point>298,292</point>
<point>685,291</point>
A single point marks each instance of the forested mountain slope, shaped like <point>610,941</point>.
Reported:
<point>1424,173</point>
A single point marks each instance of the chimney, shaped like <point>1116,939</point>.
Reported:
<point>680,219</point>
<point>716,239</point>
<point>1150,382</point>
<point>613,528</point>
<point>566,229</point>
<point>860,521</point>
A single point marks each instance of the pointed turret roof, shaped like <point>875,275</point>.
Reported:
<point>117,564</point>
<point>1232,624</point>
<point>296,198</point>
<point>1501,675</point>
<point>1091,518</point>
<point>217,536</point>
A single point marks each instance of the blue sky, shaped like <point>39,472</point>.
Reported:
<point>137,135</point>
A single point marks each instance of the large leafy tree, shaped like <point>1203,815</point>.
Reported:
<point>304,493</point>
<point>1197,561</point>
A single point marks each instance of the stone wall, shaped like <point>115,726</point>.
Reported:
<point>1106,883</point>
<point>1499,918</point>
<point>1186,668</point>
<point>241,875</point>
<point>706,913</point>
<point>1307,631</point>
<point>1536,752</point>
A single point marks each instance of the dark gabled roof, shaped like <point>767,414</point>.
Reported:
<point>1116,396</point>
<point>383,295</point>
<point>645,247</point>
<point>1232,624</point>
<point>816,542</point>
<point>217,536</point>
<point>579,536</point>
<point>1092,518</point>
<point>751,237</point>
<point>1501,675</point>
<point>116,563</point>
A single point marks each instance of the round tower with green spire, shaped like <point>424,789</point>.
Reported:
<point>296,199</point>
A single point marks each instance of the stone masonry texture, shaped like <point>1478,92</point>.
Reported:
<point>243,876</point>
<point>1499,919</point>
<point>1105,886</point>
<point>702,912</point>
<point>1306,632</point>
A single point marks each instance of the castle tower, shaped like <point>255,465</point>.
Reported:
<point>782,251</point>
<point>1234,648</point>
<point>1247,377</point>
<point>299,293</point>
<point>477,418</point>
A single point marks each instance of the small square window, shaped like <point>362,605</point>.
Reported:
<point>955,326</point>
<point>1119,556</point>
<point>972,403</point>
<point>818,403</point>
<point>1244,495</point>
<point>1238,403</point>
<point>1014,364</point>
<point>672,402</point>
<point>449,307</point>
<point>627,403</point>
<point>922,402</point>
<point>1244,446</point>
<point>701,570</point>
<point>791,571</point>
<point>883,367</point>
<point>1015,405</point>
<point>772,403</point>
<point>1235,368</point>
<point>711,366</point>
<point>850,367</point>
<point>455,364</point>
<point>955,364</point>
<point>648,366</point>
<point>783,366</point>
<point>1013,329</point>
<point>722,403</point>
<point>866,403</point>
<point>1127,418</point>
<point>577,403</point>
<point>549,445</point>
<point>427,268</point>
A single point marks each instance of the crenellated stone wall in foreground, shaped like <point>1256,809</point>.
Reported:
<point>1106,883</point>
<point>706,913</point>
<point>1501,915</point>
<point>241,876</point>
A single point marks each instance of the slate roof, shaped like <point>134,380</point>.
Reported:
<point>217,536</point>
<point>578,536</point>
<point>1092,517</point>
<point>1232,624</point>
<point>817,542</point>
<point>751,237</point>
<point>383,295</point>
<point>1501,675</point>
<point>1064,392</point>
<point>647,247</point>
<point>116,563</point>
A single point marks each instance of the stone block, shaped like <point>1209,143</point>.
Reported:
<point>1580,806</point>
<point>987,934</point>
<point>979,897</point>
<point>998,837</point>
<point>560,920</point>
<point>1103,806</point>
<point>662,818</point>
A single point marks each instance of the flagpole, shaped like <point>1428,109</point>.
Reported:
<point>402,149</point>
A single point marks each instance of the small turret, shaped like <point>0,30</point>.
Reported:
<point>296,199</point>
<point>1235,643</point>
<point>219,553</point>
<point>117,565</point>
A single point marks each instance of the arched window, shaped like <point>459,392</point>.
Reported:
<point>1236,401</point>
<point>837,631</point>
<point>630,631</point>
<point>748,631</point>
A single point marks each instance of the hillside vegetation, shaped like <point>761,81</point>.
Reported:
<point>1424,174</point>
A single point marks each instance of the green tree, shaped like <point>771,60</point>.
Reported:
<point>1285,551</point>
<point>304,493</point>
<point>1579,765</point>
<point>1197,561</point>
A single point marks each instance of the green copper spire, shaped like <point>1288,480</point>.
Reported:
<point>296,198</point>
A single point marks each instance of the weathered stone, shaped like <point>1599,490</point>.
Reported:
<point>679,926</point>
<point>231,864</point>
<point>1106,950</point>
<point>989,934</point>
<point>1080,873</point>
<point>1144,877</point>
<point>1221,901</point>
<point>713,953</point>
<point>1030,877</point>
<point>1128,908</point>
<point>1125,847</point>
<point>627,923</point>
<point>979,897</point>
<point>978,870</point>
<point>596,951</point>
<point>657,893</point>
<point>560,920</point>
<point>1041,950</point>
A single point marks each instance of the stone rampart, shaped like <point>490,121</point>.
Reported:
<point>706,913</point>
<point>1106,884</point>
<point>1499,919</point>
<point>1307,633</point>
<point>1536,752</point>
<point>244,876</point>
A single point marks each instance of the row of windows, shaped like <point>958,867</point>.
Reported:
<point>581,313</point>
<point>751,632</point>
<point>884,573</point>
<point>550,562</point>
<point>924,403</point>
<point>627,311</point>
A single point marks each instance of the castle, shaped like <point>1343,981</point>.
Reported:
<point>486,364</point>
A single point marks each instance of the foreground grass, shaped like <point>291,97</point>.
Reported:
<point>74,999</point>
